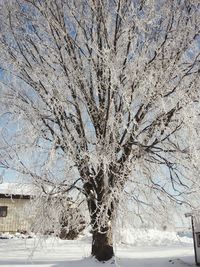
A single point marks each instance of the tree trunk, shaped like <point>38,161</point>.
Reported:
<point>102,245</point>
<point>102,241</point>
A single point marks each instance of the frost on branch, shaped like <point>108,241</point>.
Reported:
<point>103,101</point>
<point>56,215</point>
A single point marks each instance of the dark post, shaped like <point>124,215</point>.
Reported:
<point>196,238</point>
<point>194,242</point>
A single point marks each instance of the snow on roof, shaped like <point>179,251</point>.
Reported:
<point>16,189</point>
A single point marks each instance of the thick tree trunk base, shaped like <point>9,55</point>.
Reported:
<point>102,247</point>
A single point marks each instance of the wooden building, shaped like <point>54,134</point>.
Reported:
<point>14,199</point>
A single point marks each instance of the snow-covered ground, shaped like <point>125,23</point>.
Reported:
<point>158,249</point>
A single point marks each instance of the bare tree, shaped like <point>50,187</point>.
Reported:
<point>99,93</point>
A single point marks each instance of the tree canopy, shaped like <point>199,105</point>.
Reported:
<point>101,94</point>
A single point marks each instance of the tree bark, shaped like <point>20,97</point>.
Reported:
<point>102,241</point>
<point>102,244</point>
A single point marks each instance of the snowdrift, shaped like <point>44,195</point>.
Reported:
<point>151,237</point>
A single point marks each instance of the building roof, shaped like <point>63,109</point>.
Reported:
<point>16,189</point>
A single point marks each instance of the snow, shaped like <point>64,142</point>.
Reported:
<point>152,237</point>
<point>16,189</point>
<point>54,252</point>
<point>16,236</point>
